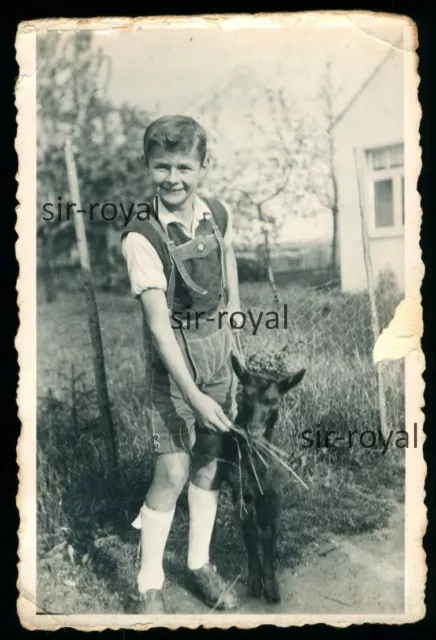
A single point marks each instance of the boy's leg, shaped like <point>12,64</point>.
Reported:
<point>172,428</point>
<point>170,475</point>
<point>203,494</point>
<point>206,473</point>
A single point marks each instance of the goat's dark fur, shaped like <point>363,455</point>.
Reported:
<point>257,493</point>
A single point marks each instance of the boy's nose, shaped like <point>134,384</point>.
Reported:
<point>173,176</point>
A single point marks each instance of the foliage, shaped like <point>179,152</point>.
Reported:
<point>73,76</point>
<point>269,159</point>
<point>80,503</point>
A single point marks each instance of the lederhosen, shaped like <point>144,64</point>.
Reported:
<point>195,271</point>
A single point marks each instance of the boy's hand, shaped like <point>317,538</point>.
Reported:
<point>209,413</point>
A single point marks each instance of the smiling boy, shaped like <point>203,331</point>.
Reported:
<point>180,261</point>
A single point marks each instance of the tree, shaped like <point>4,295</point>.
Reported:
<point>323,178</point>
<point>281,166</point>
<point>264,175</point>
<point>73,77</point>
<point>317,185</point>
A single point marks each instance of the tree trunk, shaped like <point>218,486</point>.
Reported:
<point>334,253</point>
<point>334,210</point>
<point>269,271</point>
<point>47,271</point>
<point>327,95</point>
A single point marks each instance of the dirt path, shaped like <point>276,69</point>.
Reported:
<point>359,574</point>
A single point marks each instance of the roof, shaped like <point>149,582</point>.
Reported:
<point>235,75</point>
<point>363,86</point>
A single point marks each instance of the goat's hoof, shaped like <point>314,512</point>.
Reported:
<point>272,593</point>
<point>255,585</point>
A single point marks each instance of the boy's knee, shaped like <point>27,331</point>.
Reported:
<point>177,476</point>
<point>207,474</point>
<point>172,472</point>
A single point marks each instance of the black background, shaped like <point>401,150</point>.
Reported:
<point>424,17</point>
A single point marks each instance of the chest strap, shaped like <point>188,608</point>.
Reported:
<point>176,262</point>
<point>220,239</point>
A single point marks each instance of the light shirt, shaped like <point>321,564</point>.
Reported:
<point>144,266</point>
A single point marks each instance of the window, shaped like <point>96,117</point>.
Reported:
<point>384,203</point>
<point>386,187</point>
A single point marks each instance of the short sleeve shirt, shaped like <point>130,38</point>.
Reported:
<point>144,266</point>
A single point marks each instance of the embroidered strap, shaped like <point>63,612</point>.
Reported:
<point>220,239</point>
<point>176,262</point>
<point>186,277</point>
<point>169,244</point>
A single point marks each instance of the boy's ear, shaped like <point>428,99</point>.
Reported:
<point>205,166</point>
<point>288,383</point>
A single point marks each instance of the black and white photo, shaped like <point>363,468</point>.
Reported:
<point>219,346</point>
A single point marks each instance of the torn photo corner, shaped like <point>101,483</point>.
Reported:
<point>298,135</point>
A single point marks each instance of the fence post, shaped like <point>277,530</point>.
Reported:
<point>359,159</point>
<point>93,319</point>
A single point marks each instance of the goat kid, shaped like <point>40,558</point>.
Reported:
<point>256,484</point>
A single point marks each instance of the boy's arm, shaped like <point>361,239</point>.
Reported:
<point>148,283</point>
<point>231,267</point>
<point>232,280</point>
<point>155,308</point>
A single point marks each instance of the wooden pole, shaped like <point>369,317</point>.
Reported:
<point>93,319</point>
<point>359,159</point>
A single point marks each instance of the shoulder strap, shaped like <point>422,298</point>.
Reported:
<point>169,244</point>
<point>219,222</point>
<point>219,213</point>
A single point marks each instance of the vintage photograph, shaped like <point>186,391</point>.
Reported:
<point>219,346</point>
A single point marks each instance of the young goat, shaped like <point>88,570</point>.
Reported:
<point>255,477</point>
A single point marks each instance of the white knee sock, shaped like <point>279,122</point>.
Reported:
<point>155,528</point>
<point>202,512</point>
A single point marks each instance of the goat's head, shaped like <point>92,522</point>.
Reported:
<point>261,394</point>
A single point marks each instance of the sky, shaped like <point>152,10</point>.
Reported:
<point>167,70</point>
<point>173,67</point>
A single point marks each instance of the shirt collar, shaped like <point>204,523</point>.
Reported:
<point>166,217</point>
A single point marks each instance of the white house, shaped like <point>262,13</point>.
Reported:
<point>372,126</point>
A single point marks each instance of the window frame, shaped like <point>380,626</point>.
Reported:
<point>396,174</point>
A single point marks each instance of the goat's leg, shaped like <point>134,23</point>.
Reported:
<point>267,509</point>
<point>251,540</point>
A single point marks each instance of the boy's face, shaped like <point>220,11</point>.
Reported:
<point>175,176</point>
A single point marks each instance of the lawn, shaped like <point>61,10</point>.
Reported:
<point>87,549</point>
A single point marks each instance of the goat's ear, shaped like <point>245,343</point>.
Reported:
<point>291,381</point>
<point>238,368</point>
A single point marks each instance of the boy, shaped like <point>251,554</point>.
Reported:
<point>182,267</point>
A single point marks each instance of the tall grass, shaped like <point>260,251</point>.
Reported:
<point>80,501</point>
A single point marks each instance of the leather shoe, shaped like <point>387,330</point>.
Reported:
<point>213,588</point>
<point>151,601</point>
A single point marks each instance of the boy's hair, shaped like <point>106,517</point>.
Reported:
<point>175,133</point>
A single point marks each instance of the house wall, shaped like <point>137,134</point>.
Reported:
<point>375,119</point>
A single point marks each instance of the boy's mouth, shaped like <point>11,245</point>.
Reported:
<point>175,191</point>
